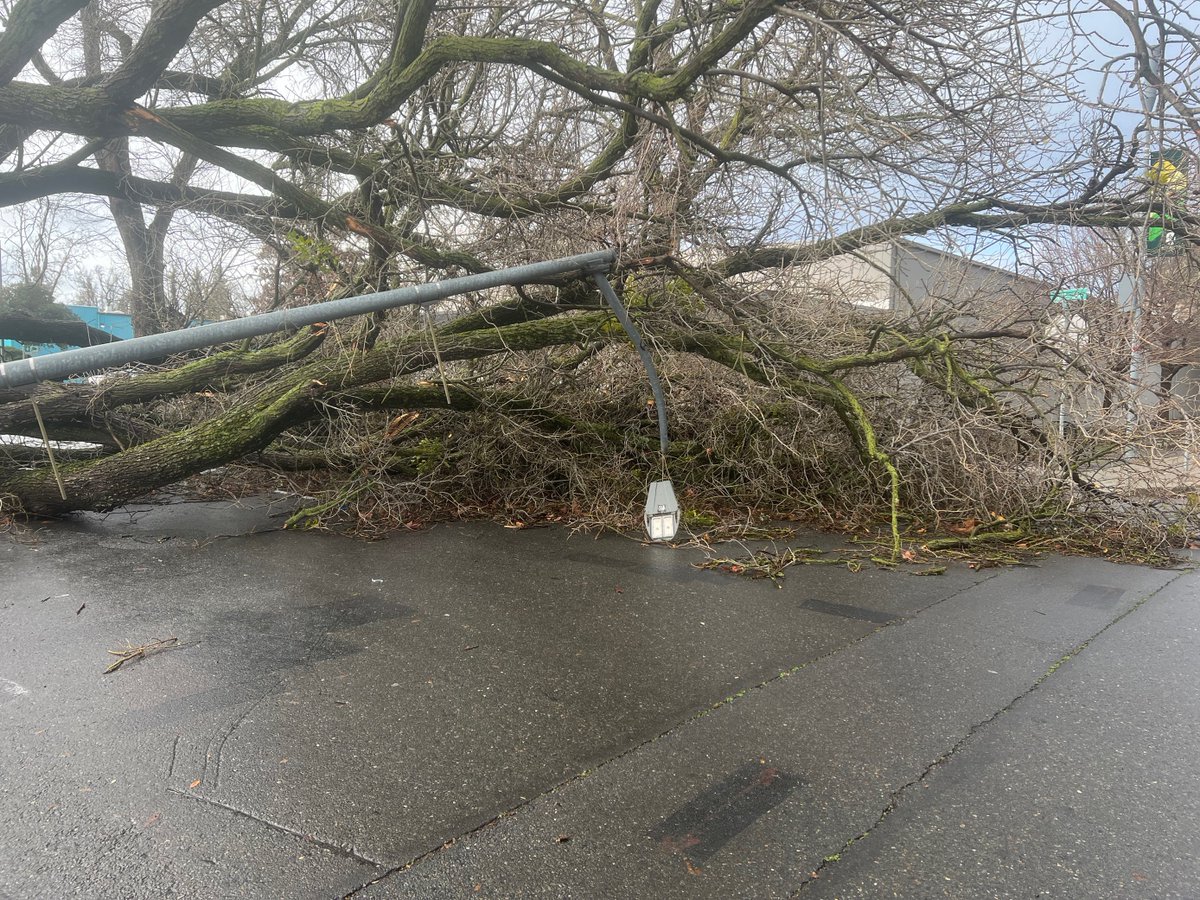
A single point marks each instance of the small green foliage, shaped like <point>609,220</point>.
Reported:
<point>680,287</point>
<point>612,328</point>
<point>640,292</point>
<point>697,520</point>
<point>312,252</point>
<point>431,451</point>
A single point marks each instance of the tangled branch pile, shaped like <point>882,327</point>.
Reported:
<point>531,409</point>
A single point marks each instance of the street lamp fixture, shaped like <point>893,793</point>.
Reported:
<point>662,509</point>
<point>662,512</point>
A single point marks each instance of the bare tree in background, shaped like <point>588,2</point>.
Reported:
<point>718,147</point>
<point>41,245</point>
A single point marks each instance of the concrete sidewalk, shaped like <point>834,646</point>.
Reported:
<point>476,712</point>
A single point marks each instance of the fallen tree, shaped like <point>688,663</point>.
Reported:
<point>731,152</point>
<point>287,419</point>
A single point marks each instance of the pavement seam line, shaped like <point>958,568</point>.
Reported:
<point>349,852</point>
<point>897,795</point>
<point>214,752</point>
<point>174,755</point>
<point>683,723</point>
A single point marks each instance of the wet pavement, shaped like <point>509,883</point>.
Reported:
<point>472,711</point>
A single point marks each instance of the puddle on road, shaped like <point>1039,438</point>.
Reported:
<point>273,640</point>
<point>1097,596</point>
<point>721,813</point>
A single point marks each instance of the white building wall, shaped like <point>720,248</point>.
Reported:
<point>862,278</point>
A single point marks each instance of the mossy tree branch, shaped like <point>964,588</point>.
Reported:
<point>62,404</point>
<point>260,415</point>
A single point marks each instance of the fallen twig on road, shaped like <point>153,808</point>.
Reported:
<point>773,565</point>
<point>132,652</point>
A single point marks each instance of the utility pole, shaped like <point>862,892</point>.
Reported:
<point>1154,106</point>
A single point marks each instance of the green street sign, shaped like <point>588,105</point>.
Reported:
<point>1069,295</point>
<point>1154,236</point>
<point>1160,240</point>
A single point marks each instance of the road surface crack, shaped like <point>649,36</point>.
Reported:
<point>217,746</point>
<point>349,852</point>
<point>897,795</point>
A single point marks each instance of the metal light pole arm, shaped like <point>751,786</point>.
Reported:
<point>622,314</point>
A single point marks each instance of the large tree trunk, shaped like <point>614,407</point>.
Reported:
<point>144,244</point>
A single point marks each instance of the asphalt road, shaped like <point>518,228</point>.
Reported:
<point>477,712</point>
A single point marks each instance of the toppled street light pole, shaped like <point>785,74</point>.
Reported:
<point>56,366</point>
